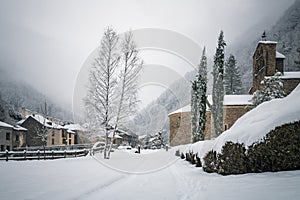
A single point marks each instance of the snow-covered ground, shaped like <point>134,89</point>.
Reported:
<point>150,175</point>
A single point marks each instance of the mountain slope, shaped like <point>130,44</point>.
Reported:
<point>15,94</point>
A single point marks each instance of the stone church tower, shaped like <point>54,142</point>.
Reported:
<point>266,62</point>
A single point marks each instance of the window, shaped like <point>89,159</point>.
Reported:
<point>2,148</point>
<point>226,127</point>
<point>17,138</point>
<point>7,136</point>
<point>70,141</point>
<point>53,133</point>
<point>52,141</point>
<point>70,135</point>
<point>8,148</point>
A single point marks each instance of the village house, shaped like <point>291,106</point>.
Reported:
<point>56,134</point>
<point>11,136</point>
<point>80,133</point>
<point>266,62</point>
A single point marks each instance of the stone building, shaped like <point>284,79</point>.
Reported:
<point>56,134</point>
<point>235,106</point>
<point>11,136</point>
<point>266,62</point>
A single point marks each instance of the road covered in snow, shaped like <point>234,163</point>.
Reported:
<point>151,175</point>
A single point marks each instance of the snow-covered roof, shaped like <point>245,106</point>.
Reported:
<point>74,127</point>
<point>3,124</point>
<point>255,124</point>
<point>19,128</point>
<point>291,75</point>
<point>116,136</point>
<point>267,42</point>
<point>69,131</point>
<point>279,55</point>
<point>21,121</point>
<point>42,120</point>
<point>142,137</point>
<point>186,108</point>
<point>230,100</point>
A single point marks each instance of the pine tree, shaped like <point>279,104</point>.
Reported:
<point>198,100</point>
<point>232,77</point>
<point>271,88</point>
<point>218,88</point>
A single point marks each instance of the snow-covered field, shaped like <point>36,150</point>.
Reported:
<point>150,175</point>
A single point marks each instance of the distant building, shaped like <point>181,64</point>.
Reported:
<point>266,62</point>
<point>56,134</point>
<point>11,136</point>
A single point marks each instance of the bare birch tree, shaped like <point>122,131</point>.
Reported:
<point>112,93</point>
<point>102,82</point>
<point>131,65</point>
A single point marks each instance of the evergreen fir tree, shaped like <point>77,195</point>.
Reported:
<point>232,78</point>
<point>271,88</point>
<point>218,88</point>
<point>198,100</point>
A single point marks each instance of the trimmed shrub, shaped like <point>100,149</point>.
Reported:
<point>192,158</point>
<point>210,162</point>
<point>278,151</point>
<point>198,161</point>
<point>232,159</point>
<point>182,156</point>
<point>177,153</point>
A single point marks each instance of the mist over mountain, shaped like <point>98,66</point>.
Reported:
<point>16,94</point>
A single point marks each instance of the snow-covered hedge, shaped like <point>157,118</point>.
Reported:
<point>278,151</point>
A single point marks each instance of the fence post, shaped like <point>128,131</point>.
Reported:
<point>65,153</point>
<point>84,152</point>
<point>25,154</point>
<point>38,154</point>
<point>52,154</point>
<point>6,155</point>
<point>75,153</point>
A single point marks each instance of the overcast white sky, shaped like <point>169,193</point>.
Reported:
<point>46,42</point>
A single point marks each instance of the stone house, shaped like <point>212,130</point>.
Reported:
<point>11,137</point>
<point>56,134</point>
<point>266,62</point>
<point>79,133</point>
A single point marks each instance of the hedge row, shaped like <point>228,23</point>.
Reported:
<point>190,157</point>
<point>278,151</point>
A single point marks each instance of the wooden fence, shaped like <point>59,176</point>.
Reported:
<point>41,155</point>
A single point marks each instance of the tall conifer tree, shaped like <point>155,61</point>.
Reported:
<point>198,100</point>
<point>232,77</point>
<point>218,88</point>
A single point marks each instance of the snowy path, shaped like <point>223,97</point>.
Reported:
<point>156,175</point>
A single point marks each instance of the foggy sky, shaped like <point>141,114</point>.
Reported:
<point>45,43</point>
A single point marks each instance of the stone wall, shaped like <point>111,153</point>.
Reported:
<point>233,113</point>
<point>290,84</point>
<point>180,128</point>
